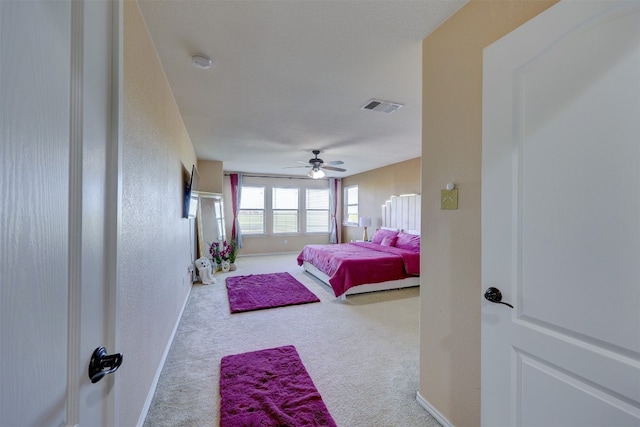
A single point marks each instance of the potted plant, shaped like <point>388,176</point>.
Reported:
<point>232,255</point>
<point>224,255</point>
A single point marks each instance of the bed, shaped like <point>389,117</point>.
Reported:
<point>391,260</point>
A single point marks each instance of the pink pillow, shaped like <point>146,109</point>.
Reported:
<point>388,241</point>
<point>381,234</point>
<point>410,242</point>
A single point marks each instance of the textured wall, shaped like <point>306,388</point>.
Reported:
<point>156,240</point>
<point>211,176</point>
<point>451,248</point>
<point>376,186</point>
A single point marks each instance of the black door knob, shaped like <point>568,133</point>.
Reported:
<point>494,295</point>
<point>102,364</point>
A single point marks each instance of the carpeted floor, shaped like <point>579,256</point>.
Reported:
<point>362,353</point>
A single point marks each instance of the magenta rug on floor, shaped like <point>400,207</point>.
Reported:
<point>260,291</point>
<point>269,388</point>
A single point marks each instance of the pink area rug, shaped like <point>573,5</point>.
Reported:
<point>269,388</point>
<point>260,291</point>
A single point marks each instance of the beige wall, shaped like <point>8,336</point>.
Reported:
<point>211,175</point>
<point>156,242</point>
<point>450,296</point>
<point>376,186</point>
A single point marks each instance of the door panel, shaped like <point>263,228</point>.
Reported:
<point>583,405</point>
<point>561,219</point>
<point>578,160</point>
<point>33,231</point>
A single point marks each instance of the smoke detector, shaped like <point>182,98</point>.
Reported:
<point>201,60</point>
<point>381,106</point>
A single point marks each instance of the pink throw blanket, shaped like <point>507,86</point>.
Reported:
<point>352,264</point>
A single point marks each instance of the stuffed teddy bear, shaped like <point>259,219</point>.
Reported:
<point>205,270</point>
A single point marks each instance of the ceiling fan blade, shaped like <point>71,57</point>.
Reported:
<point>331,168</point>
<point>317,163</point>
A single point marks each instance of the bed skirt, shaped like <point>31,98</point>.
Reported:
<point>408,282</point>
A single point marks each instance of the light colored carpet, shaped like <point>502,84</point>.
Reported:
<point>362,353</point>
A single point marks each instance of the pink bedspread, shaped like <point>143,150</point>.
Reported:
<point>352,264</point>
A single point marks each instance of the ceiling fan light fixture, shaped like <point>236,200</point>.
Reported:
<point>316,173</point>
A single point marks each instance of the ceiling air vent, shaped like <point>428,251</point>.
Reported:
<point>381,106</point>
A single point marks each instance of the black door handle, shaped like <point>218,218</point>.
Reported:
<point>102,364</point>
<point>494,295</point>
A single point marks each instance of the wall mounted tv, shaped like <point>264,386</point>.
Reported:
<point>191,194</point>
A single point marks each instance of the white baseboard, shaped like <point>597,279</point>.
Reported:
<point>154,384</point>
<point>433,411</point>
<point>270,253</point>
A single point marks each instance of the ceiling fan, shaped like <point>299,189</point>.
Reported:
<point>317,165</point>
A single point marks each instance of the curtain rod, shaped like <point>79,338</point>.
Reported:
<point>278,177</point>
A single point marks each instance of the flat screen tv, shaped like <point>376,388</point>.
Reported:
<point>191,194</point>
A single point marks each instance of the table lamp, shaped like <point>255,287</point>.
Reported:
<point>365,221</point>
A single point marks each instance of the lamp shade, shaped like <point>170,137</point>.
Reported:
<point>365,221</point>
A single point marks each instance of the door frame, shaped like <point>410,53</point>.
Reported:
<point>114,199</point>
<point>77,362</point>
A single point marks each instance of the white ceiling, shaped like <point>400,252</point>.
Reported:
<point>290,76</point>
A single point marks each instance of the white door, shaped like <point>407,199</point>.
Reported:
<point>561,219</point>
<point>58,221</point>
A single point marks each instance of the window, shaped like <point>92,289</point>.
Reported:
<point>351,205</point>
<point>317,210</point>
<point>279,206</point>
<point>284,203</point>
<point>251,214</point>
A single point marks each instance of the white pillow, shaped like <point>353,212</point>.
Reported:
<point>416,232</point>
